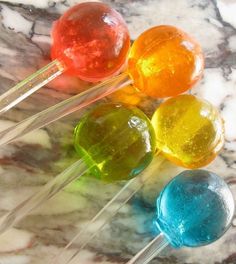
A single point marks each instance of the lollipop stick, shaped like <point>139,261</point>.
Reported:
<point>150,251</point>
<point>30,85</point>
<point>75,171</point>
<point>50,189</point>
<point>64,108</point>
<point>109,210</point>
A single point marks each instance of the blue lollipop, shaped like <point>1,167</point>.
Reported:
<point>194,209</point>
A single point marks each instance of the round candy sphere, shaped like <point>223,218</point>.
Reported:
<point>195,209</point>
<point>164,61</point>
<point>92,40</point>
<point>189,131</point>
<point>116,141</point>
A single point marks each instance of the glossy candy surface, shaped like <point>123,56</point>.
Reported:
<point>165,61</point>
<point>92,40</point>
<point>118,140</point>
<point>189,131</point>
<point>195,209</point>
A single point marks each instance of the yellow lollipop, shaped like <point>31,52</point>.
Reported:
<point>189,131</point>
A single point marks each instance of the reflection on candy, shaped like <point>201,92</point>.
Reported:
<point>189,131</point>
<point>119,141</point>
<point>92,40</point>
<point>165,61</point>
<point>127,95</point>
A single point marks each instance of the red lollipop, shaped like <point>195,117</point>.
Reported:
<point>91,41</point>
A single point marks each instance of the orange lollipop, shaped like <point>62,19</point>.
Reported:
<point>165,61</point>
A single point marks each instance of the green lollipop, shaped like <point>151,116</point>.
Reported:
<point>116,141</point>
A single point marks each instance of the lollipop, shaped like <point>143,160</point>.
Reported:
<point>119,144</point>
<point>91,41</point>
<point>179,224</point>
<point>163,62</point>
<point>189,132</point>
<point>111,123</point>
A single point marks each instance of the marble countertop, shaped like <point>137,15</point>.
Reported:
<point>30,162</point>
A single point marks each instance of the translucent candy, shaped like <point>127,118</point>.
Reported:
<point>118,140</point>
<point>195,209</point>
<point>92,40</point>
<point>164,61</point>
<point>189,131</point>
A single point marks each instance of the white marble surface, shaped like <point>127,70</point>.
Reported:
<point>32,161</point>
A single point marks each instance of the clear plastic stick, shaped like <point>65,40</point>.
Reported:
<point>49,190</point>
<point>64,108</point>
<point>150,251</point>
<point>30,85</point>
<point>75,171</point>
<point>108,211</point>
